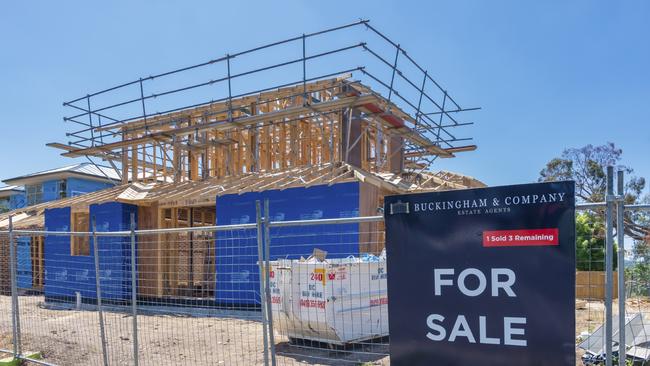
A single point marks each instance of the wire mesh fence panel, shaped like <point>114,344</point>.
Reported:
<point>310,291</point>
<point>57,302</point>
<point>197,298</point>
<point>637,289</point>
<point>328,295</point>
<point>115,296</point>
<point>6,330</point>
<point>590,286</point>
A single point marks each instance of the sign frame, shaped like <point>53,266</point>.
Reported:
<point>449,307</point>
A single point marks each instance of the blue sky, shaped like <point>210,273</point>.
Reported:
<point>548,74</point>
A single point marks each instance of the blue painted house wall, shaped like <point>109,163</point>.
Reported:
<point>50,191</point>
<point>66,274</point>
<point>74,187</point>
<point>237,277</point>
<point>77,186</point>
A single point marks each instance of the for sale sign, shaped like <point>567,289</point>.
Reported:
<point>482,276</point>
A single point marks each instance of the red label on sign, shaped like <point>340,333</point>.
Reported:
<point>520,238</point>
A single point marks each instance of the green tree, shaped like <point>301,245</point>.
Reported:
<point>590,243</point>
<point>638,274</point>
<point>587,167</point>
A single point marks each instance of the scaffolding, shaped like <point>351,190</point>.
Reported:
<point>314,99</point>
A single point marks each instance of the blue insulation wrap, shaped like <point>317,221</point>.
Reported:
<point>23,262</point>
<point>114,251</point>
<point>237,277</point>
<point>66,274</point>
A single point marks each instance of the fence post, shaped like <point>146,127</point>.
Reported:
<point>620,232</point>
<point>98,292</point>
<point>260,264</point>
<point>134,292</point>
<point>267,252</point>
<point>15,314</point>
<point>609,275</point>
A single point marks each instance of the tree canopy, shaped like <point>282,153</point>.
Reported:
<point>590,243</point>
<point>587,167</point>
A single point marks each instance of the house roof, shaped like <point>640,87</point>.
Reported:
<point>8,191</point>
<point>204,193</point>
<point>86,170</point>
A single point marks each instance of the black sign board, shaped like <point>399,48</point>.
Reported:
<point>482,276</point>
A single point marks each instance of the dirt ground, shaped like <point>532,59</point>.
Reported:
<point>67,337</point>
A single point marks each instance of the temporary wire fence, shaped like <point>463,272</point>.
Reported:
<point>590,281</point>
<point>332,311</point>
<point>197,295</point>
<point>271,292</point>
<point>615,329</point>
<point>592,298</point>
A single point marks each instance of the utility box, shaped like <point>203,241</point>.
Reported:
<point>337,301</point>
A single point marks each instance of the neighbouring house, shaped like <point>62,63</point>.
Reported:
<point>67,181</point>
<point>46,186</point>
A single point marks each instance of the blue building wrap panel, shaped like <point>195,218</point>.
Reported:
<point>66,274</point>
<point>237,275</point>
<point>23,262</point>
<point>77,186</point>
<point>114,252</point>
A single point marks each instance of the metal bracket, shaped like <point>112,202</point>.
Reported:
<point>614,198</point>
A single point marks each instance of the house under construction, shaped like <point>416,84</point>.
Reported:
<point>298,121</point>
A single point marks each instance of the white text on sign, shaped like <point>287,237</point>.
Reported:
<point>473,282</point>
